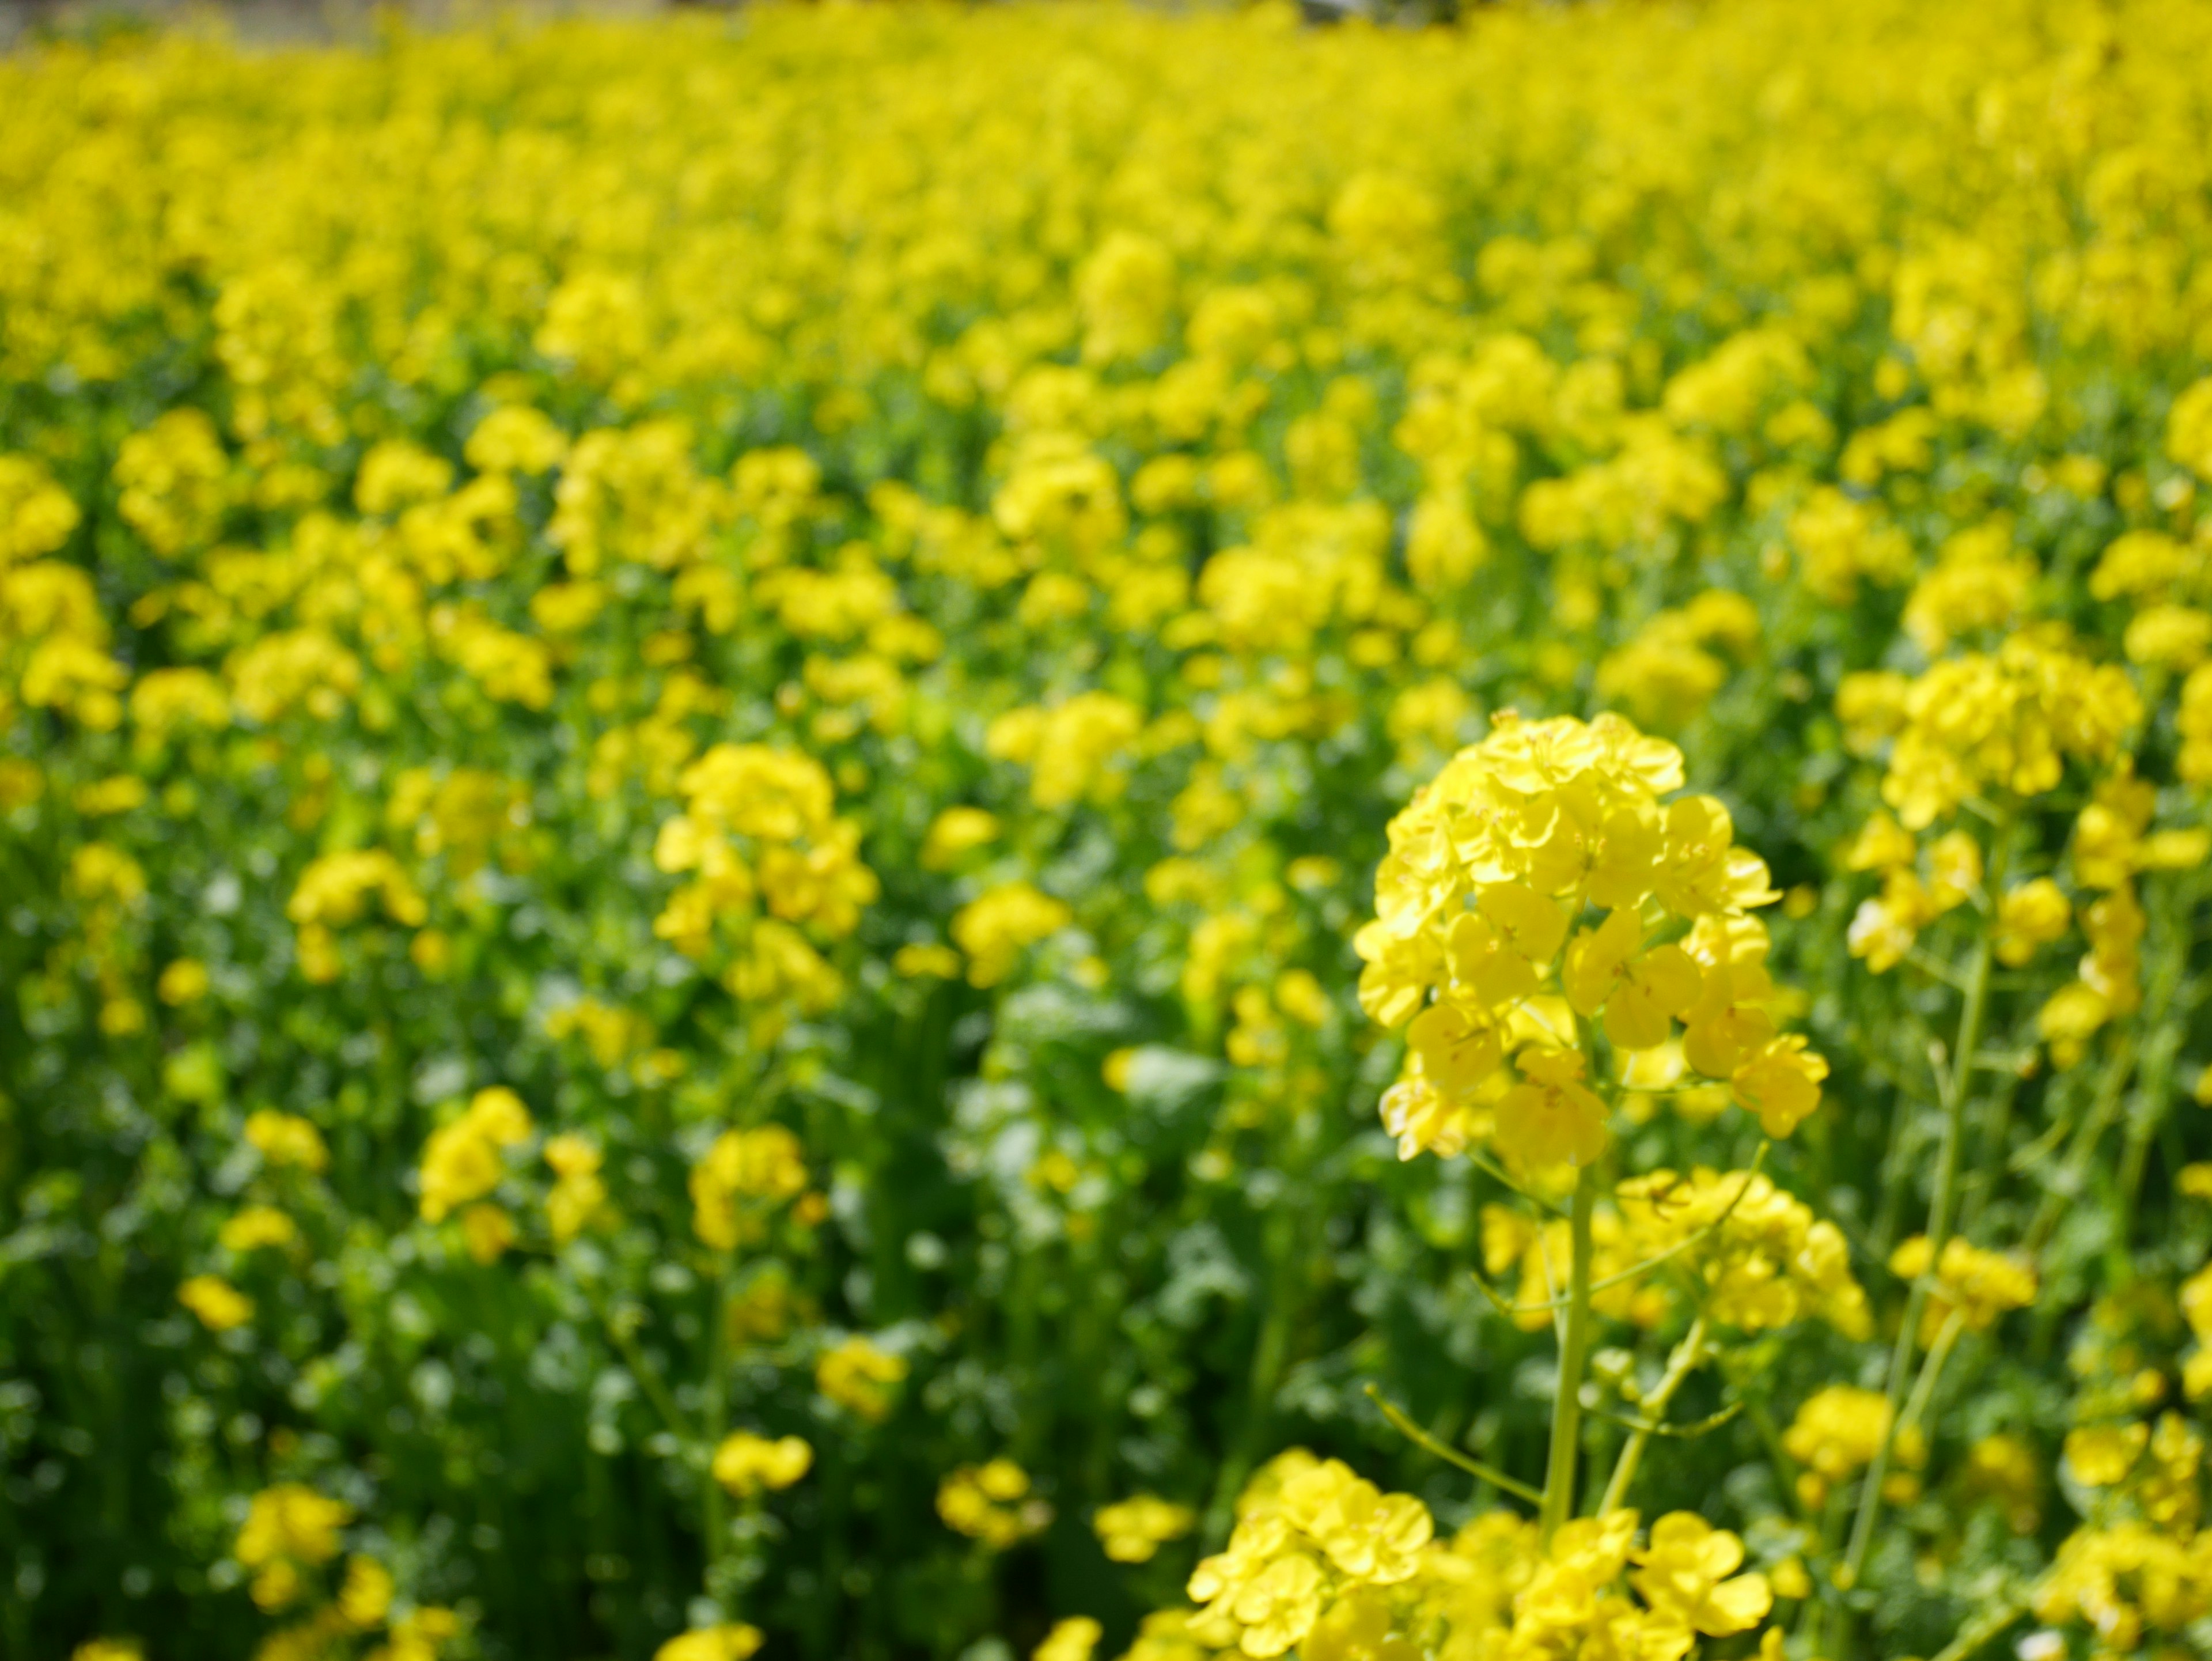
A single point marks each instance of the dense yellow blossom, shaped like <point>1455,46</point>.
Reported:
<point>860,1377</point>
<point>1491,865</point>
<point>992,1503</point>
<point>765,1166</point>
<point>1975,1285</point>
<point>1765,1260</point>
<point>219,1304</point>
<point>461,1161</point>
<point>745,1463</point>
<point>732,1641</point>
<point>1133,1530</point>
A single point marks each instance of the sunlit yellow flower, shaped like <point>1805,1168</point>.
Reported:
<point>745,1463</point>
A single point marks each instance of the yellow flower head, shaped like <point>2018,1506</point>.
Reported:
<point>1072,1640</point>
<point>745,1463</point>
<point>219,1304</point>
<point>992,1503</point>
<point>1541,891</point>
<point>1133,1530</point>
<point>765,1165</point>
<point>861,1378</point>
<point>729,1642</point>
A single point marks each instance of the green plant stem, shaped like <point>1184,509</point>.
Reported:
<point>713,1415</point>
<point>1401,1421</point>
<point>1952,1079</point>
<point>1574,1351</point>
<point>1683,1361</point>
<point>1981,1189</point>
<point>2111,1087</point>
<point>1282,1244</point>
<point>1978,1631</point>
<point>1931,1369</point>
<point>647,1376</point>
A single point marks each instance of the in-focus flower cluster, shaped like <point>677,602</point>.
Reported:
<point>1539,892</point>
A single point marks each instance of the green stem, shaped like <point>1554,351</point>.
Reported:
<point>713,1426</point>
<point>1978,1631</point>
<point>647,1376</point>
<point>1574,1350</point>
<point>1981,1188</point>
<point>1683,1361</point>
<point>2112,1086</point>
<point>1952,1082</point>
<point>1931,1369</point>
<point>1401,1421</point>
<point>1269,1354</point>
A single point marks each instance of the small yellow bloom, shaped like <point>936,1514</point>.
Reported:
<point>745,1463</point>
<point>255,1226</point>
<point>219,1304</point>
<point>184,980</point>
<point>728,1642</point>
<point>1133,1530</point>
<point>2098,1456</point>
<point>859,1378</point>
<point>1072,1640</point>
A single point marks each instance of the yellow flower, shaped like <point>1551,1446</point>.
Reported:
<point>727,1642</point>
<point>2005,721</point>
<point>859,1378</point>
<point>36,515</point>
<point>184,980</point>
<point>487,1231</point>
<point>957,832</point>
<point>286,1139</point>
<point>1779,1083</point>
<point>1837,1431</point>
<point>926,959</point>
<point>1978,1285</point>
<point>366,1597</point>
<point>995,927</point>
<point>290,1521</point>
<point>2030,916</point>
<point>745,1463</point>
<point>1075,751</point>
<point>461,1160</point>
<point>992,1503</point>
<point>1639,989</point>
<point>578,1192</point>
<point>1765,1259</point>
<point>1687,1569</point>
<point>1072,1640</point>
<point>765,1165</point>
<point>1551,1117</point>
<point>254,1227</point>
<point>2099,1455</point>
<point>1490,867</point>
<point>1133,1530</point>
<point>219,1304</point>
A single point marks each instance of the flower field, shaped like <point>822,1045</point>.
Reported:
<point>877,833</point>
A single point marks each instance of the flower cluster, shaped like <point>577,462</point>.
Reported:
<point>992,1503</point>
<point>1133,1530</point>
<point>1480,949</point>
<point>759,830</point>
<point>764,1166</point>
<point>1764,1260</point>
<point>1324,1565</point>
<point>463,1161</point>
<point>1309,1535</point>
